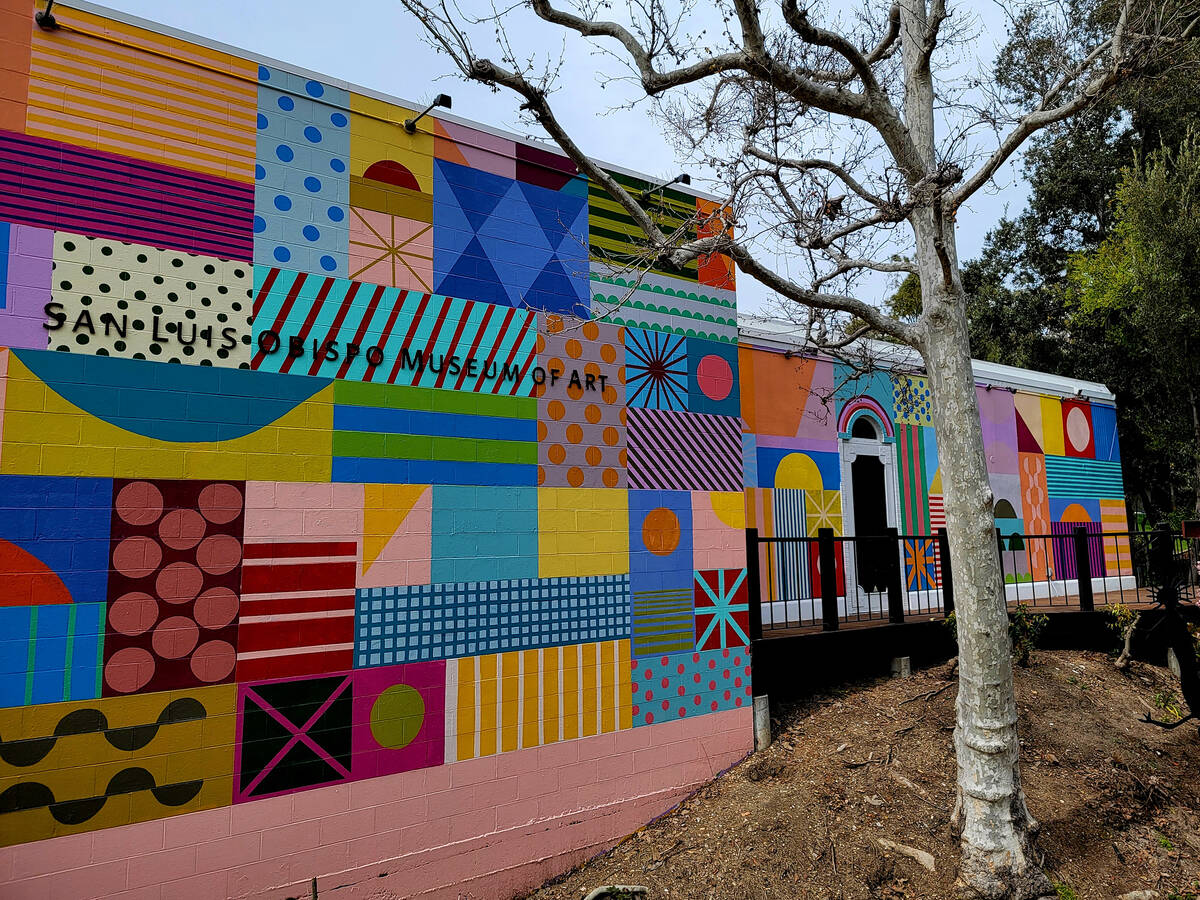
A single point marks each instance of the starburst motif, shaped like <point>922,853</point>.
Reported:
<point>656,370</point>
<point>392,250</point>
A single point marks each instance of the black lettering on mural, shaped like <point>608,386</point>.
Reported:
<point>589,381</point>
<point>539,375</point>
<point>554,373</point>
<point>374,356</point>
<point>228,338</point>
<point>84,320</point>
<point>410,362</point>
<point>575,382</point>
<point>295,345</point>
<point>55,316</point>
<point>452,366</point>
<point>268,341</point>
<point>331,351</point>
<point>471,361</point>
<point>161,338</point>
<point>603,378</point>
<point>352,350</point>
<point>110,323</point>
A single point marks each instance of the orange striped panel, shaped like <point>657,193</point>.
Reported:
<point>1116,550</point>
<point>167,106</point>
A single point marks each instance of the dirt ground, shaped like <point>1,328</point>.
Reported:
<point>1118,799</point>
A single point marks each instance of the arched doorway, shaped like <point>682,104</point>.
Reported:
<point>870,504</point>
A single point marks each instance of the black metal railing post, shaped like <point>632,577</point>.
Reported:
<point>895,584</point>
<point>828,563</point>
<point>1083,567</point>
<point>947,575</point>
<point>753,585</point>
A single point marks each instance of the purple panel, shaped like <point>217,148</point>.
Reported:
<point>30,257</point>
<point>1064,549</point>
<point>56,185</point>
<point>998,415</point>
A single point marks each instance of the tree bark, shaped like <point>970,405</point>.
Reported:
<point>990,814</point>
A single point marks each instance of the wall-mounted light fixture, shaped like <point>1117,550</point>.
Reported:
<point>443,100</point>
<point>683,178</point>
<point>45,19</point>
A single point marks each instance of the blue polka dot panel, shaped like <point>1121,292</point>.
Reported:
<point>302,181</point>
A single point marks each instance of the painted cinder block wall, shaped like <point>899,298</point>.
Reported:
<point>281,598</point>
<point>346,530</point>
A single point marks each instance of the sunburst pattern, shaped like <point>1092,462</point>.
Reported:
<point>391,250</point>
<point>656,370</point>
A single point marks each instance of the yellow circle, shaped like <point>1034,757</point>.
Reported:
<point>397,716</point>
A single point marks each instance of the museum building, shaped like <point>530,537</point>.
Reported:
<point>367,515</point>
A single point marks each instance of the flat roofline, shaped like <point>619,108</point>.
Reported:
<point>158,27</point>
<point>776,334</point>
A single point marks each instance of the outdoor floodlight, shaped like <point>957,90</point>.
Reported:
<point>410,125</point>
<point>683,178</point>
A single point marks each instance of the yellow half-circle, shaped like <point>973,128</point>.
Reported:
<point>729,508</point>
<point>797,470</point>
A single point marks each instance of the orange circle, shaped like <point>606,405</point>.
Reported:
<point>574,433</point>
<point>608,353</point>
<point>555,365</point>
<point>556,454</point>
<point>591,413</point>
<point>621,415</point>
<point>541,431</point>
<point>592,369</point>
<point>592,455</point>
<point>591,330</point>
<point>554,324</point>
<point>539,390</point>
<point>621,374</point>
<point>575,476</point>
<point>541,475</point>
<point>555,409</point>
<point>660,531</point>
<point>621,335</point>
<point>611,436</point>
<point>541,344</point>
<point>574,349</point>
<point>609,394</point>
<point>621,457</point>
<point>610,478</point>
<point>574,391</point>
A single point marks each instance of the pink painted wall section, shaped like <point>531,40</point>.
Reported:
<point>485,828</point>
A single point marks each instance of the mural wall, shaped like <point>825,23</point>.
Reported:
<point>349,520</point>
<point>1054,465</point>
<point>366,513</point>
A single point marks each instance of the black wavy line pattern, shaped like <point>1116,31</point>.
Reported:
<point>31,751</point>
<point>35,795</point>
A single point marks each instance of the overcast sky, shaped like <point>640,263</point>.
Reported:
<point>375,43</point>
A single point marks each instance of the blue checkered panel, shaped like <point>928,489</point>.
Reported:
<point>441,621</point>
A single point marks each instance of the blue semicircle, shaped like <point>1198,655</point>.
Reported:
<point>171,402</point>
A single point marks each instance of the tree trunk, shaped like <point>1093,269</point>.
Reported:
<point>1126,656</point>
<point>1195,442</point>
<point>990,814</point>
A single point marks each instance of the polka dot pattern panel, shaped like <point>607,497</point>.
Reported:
<point>581,403</point>
<point>139,302</point>
<point>682,685</point>
<point>302,181</point>
<point>174,585</point>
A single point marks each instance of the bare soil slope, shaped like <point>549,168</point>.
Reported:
<point>1118,799</point>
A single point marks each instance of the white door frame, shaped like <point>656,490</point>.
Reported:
<point>849,449</point>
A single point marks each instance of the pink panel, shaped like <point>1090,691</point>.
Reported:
<point>429,827</point>
<point>30,258</point>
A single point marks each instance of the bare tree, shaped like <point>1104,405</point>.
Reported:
<point>854,140</point>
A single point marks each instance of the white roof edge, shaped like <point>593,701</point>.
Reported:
<point>780,335</point>
<point>150,25</point>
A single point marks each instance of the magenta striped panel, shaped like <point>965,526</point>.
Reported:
<point>56,185</point>
<point>683,451</point>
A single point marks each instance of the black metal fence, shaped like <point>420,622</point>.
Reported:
<point>828,580</point>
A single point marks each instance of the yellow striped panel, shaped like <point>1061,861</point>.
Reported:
<point>528,698</point>
<point>1117,560</point>
<point>143,95</point>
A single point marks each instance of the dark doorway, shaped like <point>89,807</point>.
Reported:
<point>870,520</point>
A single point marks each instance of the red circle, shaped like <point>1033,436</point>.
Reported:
<point>737,682</point>
<point>215,608</point>
<point>737,701</point>
<point>213,661</point>
<point>129,669</point>
<point>696,699</point>
<point>666,704</point>
<point>137,556</point>
<point>712,685</point>
<point>178,582</point>
<point>220,503</point>
<point>682,711</point>
<point>725,654</point>
<point>682,690</point>
<point>133,614</point>
<point>649,673</point>
<point>695,657</point>
<point>696,678</point>
<point>139,503</point>
<point>681,668</point>
<point>666,682</point>
<point>649,718</point>
<point>714,376</point>
<point>219,553</point>
<point>175,638</point>
<point>715,705</point>
<point>648,696</point>
<point>181,529</point>
<point>728,694</point>
<point>712,663</point>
